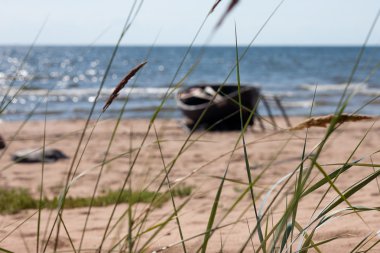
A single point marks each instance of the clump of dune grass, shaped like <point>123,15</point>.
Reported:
<point>15,200</point>
<point>18,199</point>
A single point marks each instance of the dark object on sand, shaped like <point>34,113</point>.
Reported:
<point>2,142</point>
<point>37,156</point>
<point>222,104</point>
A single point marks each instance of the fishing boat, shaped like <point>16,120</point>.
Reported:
<point>217,106</point>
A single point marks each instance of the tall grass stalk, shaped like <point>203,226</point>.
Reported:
<point>131,150</point>
<point>214,208</point>
<point>170,190</point>
<point>102,164</point>
<point>136,156</point>
<point>298,185</point>
<point>42,179</point>
<point>130,242</point>
<point>70,171</point>
<point>4,104</point>
<point>18,226</point>
<point>247,167</point>
<point>125,29</point>
<point>166,96</point>
<point>358,60</point>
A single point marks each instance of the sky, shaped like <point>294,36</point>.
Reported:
<point>175,22</point>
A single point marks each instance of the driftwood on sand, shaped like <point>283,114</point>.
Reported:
<point>323,121</point>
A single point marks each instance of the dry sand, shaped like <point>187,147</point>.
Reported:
<point>205,160</point>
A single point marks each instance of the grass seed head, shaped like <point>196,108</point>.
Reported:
<point>323,121</point>
<point>214,6</point>
<point>121,85</point>
<point>230,7</point>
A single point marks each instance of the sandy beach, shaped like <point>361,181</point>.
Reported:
<point>272,154</point>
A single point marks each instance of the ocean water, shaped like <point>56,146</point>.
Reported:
<point>68,78</point>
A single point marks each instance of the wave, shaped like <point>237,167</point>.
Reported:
<point>298,104</point>
<point>334,87</point>
<point>147,92</point>
<point>303,90</point>
<point>303,93</point>
<point>358,88</point>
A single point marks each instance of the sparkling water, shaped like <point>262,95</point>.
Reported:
<point>70,77</point>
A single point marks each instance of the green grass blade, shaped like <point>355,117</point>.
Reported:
<point>42,180</point>
<point>331,183</point>
<point>350,191</point>
<point>332,175</point>
<point>70,171</point>
<point>109,144</point>
<point>171,193</point>
<point>5,250</point>
<point>3,103</point>
<point>213,213</point>
<point>18,226</point>
<point>158,109</point>
<point>358,59</point>
<point>299,186</point>
<point>164,224</point>
<point>362,242</point>
<point>372,246</point>
<point>67,233</point>
<point>248,170</point>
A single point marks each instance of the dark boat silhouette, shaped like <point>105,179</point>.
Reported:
<point>222,104</point>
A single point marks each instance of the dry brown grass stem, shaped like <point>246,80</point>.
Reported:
<point>230,7</point>
<point>323,121</point>
<point>214,6</point>
<point>121,85</point>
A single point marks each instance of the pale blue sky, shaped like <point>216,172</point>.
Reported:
<point>298,22</point>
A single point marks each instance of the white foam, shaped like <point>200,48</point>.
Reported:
<point>334,87</point>
<point>370,92</point>
<point>297,104</point>
<point>358,88</point>
<point>140,92</point>
<point>280,94</point>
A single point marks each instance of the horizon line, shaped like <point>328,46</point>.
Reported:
<point>181,45</point>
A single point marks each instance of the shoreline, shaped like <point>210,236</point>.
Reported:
<point>200,166</point>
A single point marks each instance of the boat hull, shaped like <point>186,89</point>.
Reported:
<point>222,113</point>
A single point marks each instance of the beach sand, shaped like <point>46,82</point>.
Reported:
<point>274,153</point>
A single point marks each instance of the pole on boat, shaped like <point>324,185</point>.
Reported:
<point>266,105</point>
<point>279,105</point>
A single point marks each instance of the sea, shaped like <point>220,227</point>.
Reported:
<point>62,82</point>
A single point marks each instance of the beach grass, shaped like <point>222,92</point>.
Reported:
<point>270,214</point>
<point>18,199</point>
